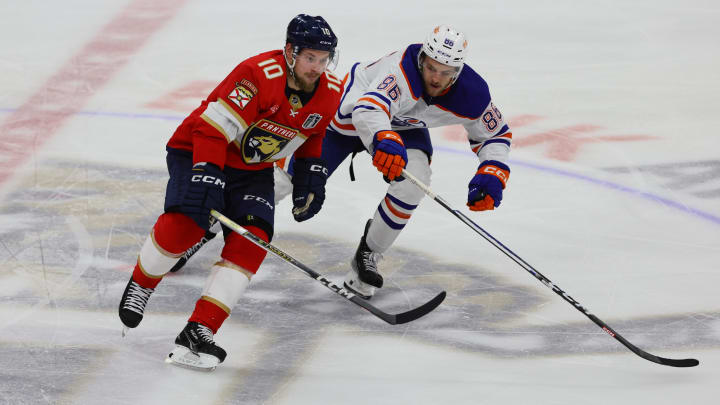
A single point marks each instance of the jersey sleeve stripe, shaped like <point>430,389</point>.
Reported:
<point>377,103</point>
<point>217,126</point>
<point>365,107</point>
<point>345,127</point>
<point>379,96</point>
<point>503,130</point>
<point>240,120</point>
<point>496,140</point>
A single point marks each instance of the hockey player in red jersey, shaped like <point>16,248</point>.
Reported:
<point>271,106</point>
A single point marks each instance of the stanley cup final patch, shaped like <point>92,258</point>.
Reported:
<point>241,96</point>
<point>312,120</point>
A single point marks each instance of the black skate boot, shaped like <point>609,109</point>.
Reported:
<point>132,304</point>
<point>364,278</point>
<point>196,348</point>
<point>193,249</point>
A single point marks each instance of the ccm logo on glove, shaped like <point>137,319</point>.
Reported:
<point>319,169</point>
<point>497,172</point>
<point>199,178</point>
<point>486,187</point>
<point>205,192</point>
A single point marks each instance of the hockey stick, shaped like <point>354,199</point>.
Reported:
<point>530,269</point>
<point>392,319</point>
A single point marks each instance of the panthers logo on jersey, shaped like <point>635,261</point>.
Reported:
<point>265,139</point>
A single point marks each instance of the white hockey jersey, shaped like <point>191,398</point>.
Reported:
<point>388,94</point>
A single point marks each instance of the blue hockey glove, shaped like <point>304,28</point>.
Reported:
<point>309,178</point>
<point>485,189</point>
<point>205,192</point>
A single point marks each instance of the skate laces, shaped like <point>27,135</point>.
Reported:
<point>137,298</point>
<point>205,334</point>
<point>370,260</point>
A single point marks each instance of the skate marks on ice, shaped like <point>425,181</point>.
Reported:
<point>70,237</point>
<point>116,206</point>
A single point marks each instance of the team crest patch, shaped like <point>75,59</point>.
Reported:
<point>312,120</point>
<point>241,96</point>
<point>265,139</point>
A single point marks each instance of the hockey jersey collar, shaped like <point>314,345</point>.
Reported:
<point>408,65</point>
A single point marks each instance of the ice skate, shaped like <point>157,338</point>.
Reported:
<point>196,348</point>
<point>192,250</point>
<point>132,304</point>
<point>363,278</point>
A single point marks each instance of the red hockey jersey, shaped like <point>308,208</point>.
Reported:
<point>248,123</point>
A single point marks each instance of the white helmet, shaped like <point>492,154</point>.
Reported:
<point>446,45</point>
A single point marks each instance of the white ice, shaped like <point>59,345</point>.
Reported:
<point>614,196</point>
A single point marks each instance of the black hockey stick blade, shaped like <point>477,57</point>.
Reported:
<point>667,362</point>
<point>404,317</point>
<point>640,352</point>
<point>392,319</point>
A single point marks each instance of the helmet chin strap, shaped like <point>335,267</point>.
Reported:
<point>291,66</point>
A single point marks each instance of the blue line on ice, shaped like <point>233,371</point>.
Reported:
<point>602,183</point>
<point>559,172</point>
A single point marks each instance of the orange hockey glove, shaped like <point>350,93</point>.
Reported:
<point>390,156</point>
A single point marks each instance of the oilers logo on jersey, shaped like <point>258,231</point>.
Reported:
<point>264,140</point>
<point>400,121</point>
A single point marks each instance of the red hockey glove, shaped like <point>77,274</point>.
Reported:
<point>485,189</point>
<point>390,156</point>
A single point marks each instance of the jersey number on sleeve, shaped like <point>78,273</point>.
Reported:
<point>333,82</point>
<point>491,117</point>
<point>272,69</point>
<point>390,87</point>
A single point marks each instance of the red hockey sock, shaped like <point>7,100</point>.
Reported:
<point>145,280</point>
<point>209,314</point>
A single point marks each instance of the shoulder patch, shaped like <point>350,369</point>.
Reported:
<point>241,96</point>
<point>312,120</point>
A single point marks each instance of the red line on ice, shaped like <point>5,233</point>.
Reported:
<point>32,124</point>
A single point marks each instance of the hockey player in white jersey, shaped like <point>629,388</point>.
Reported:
<point>387,107</point>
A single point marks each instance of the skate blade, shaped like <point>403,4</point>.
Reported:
<point>365,293</point>
<point>183,357</point>
<point>125,331</point>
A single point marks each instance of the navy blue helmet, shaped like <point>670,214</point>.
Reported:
<point>305,31</point>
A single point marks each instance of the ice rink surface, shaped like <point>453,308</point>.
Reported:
<point>614,195</point>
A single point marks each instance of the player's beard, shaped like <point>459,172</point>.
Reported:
<point>304,84</point>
